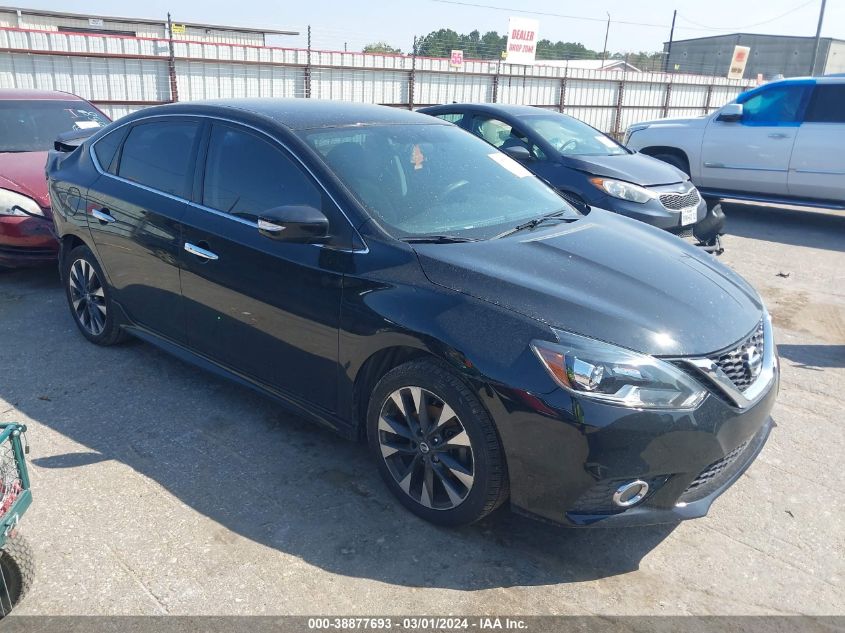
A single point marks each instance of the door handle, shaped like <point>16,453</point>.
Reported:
<point>103,215</point>
<point>202,253</point>
<point>778,135</point>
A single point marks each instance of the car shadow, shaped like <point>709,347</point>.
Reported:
<point>814,356</point>
<point>811,228</point>
<point>244,462</point>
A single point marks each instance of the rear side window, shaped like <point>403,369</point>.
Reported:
<point>106,149</point>
<point>827,105</point>
<point>451,117</point>
<point>246,175</point>
<point>160,155</point>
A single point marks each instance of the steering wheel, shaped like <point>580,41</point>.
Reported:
<point>570,145</point>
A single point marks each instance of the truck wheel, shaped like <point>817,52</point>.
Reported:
<point>17,570</point>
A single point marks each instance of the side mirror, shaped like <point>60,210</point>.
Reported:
<point>294,223</point>
<point>518,152</point>
<point>731,113</point>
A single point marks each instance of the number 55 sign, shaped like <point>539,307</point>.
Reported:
<point>457,59</point>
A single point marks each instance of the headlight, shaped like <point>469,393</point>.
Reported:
<point>630,131</point>
<point>12,203</point>
<point>615,375</point>
<point>624,190</point>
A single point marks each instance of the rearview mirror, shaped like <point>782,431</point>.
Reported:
<point>518,152</point>
<point>294,223</point>
<point>731,112</point>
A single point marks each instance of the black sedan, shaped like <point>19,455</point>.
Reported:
<point>589,168</point>
<point>391,277</point>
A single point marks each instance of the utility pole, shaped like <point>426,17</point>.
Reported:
<point>671,38</point>
<point>818,38</point>
<point>606,33</point>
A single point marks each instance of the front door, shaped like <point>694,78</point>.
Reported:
<point>267,309</point>
<point>134,213</point>
<point>753,154</point>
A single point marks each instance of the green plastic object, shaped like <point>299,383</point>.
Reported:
<point>15,494</point>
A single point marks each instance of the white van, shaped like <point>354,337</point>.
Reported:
<point>783,142</point>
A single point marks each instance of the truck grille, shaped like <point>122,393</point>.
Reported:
<point>743,363</point>
<point>678,201</point>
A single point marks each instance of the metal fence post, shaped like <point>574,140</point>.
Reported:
<point>561,105</point>
<point>708,98</point>
<point>308,66</point>
<point>496,81</point>
<point>412,77</point>
<point>171,62</point>
<point>619,100</point>
<point>667,101</point>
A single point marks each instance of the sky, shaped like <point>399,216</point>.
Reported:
<point>636,25</point>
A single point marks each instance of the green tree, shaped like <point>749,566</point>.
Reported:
<point>381,47</point>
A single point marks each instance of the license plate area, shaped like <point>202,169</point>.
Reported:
<point>689,216</point>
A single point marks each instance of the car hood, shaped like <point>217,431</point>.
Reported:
<point>636,168</point>
<point>23,172</point>
<point>607,277</point>
<point>685,122</point>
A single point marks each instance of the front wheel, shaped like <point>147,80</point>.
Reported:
<point>436,446</point>
<point>17,569</point>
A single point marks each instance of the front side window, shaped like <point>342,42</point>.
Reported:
<point>778,105</point>
<point>503,135</point>
<point>246,175</point>
<point>160,155</point>
<point>33,126</point>
<point>571,137</point>
<point>827,105</point>
<point>422,180</point>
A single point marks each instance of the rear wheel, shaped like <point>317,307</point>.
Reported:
<point>17,570</point>
<point>89,297</point>
<point>436,447</point>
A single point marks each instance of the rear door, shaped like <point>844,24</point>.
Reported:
<point>817,167</point>
<point>135,209</point>
<point>265,308</point>
<point>753,154</point>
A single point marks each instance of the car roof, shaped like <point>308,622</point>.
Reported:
<point>301,114</point>
<point>490,108</point>
<point>25,94</point>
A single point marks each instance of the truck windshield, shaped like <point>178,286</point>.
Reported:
<point>33,125</point>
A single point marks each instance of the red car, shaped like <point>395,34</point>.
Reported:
<point>30,121</point>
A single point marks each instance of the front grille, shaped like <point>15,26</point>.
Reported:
<point>678,201</point>
<point>743,363</point>
<point>714,476</point>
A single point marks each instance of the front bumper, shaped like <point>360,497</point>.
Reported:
<point>567,455</point>
<point>27,241</point>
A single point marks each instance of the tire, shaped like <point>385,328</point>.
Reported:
<point>675,160</point>
<point>89,298</point>
<point>17,570</point>
<point>453,475</point>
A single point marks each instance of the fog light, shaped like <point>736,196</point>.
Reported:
<point>630,494</point>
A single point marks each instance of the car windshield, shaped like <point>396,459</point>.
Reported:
<point>424,180</point>
<point>32,126</point>
<point>571,137</point>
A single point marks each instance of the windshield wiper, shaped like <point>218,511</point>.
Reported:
<point>438,239</point>
<point>555,217</point>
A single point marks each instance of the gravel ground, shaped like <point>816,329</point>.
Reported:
<point>160,489</point>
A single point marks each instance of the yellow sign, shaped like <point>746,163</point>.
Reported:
<point>178,29</point>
